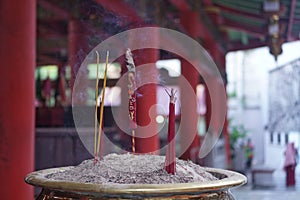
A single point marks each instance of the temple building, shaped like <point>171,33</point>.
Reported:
<point>49,70</point>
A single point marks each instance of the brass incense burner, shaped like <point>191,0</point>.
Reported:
<point>58,190</point>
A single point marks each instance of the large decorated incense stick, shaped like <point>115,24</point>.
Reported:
<point>170,162</point>
<point>132,96</point>
<point>96,110</point>
<point>102,106</point>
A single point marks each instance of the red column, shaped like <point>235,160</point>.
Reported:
<point>147,138</point>
<point>78,47</point>
<point>208,106</point>
<point>189,106</point>
<point>189,20</point>
<point>17,94</point>
<point>220,59</point>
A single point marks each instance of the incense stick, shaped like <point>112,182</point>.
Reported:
<point>170,162</point>
<point>96,111</point>
<point>133,141</point>
<point>132,95</point>
<point>102,103</point>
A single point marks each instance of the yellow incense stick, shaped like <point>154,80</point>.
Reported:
<point>102,103</point>
<point>133,141</point>
<point>96,106</point>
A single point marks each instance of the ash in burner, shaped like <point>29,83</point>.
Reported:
<point>133,169</point>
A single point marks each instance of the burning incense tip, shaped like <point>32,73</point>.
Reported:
<point>97,55</point>
<point>172,94</point>
<point>129,61</point>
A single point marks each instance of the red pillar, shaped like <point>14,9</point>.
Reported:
<point>78,48</point>
<point>189,106</point>
<point>189,20</point>
<point>226,124</point>
<point>17,94</point>
<point>147,138</point>
<point>208,106</point>
<point>220,59</point>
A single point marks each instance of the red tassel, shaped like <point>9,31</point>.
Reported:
<point>132,110</point>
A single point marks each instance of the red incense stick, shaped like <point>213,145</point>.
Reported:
<point>170,162</point>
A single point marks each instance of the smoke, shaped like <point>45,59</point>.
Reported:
<point>147,74</point>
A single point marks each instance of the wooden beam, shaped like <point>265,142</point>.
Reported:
<point>255,31</point>
<point>120,8</point>
<point>234,9</point>
<point>51,35</point>
<point>48,60</point>
<point>54,9</point>
<point>291,20</point>
<point>240,13</point>
<point>54,24</point>
<point>203,32</point>
<point>53,28</point>
<point>180,5</point>
<point>50,50</point>
<point>45,33</point>
<point>183,7</point>
<point>296,20</point>
<point>252,44</point>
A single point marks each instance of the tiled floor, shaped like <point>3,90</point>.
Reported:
<point>274,158</point>
<point>278,192</point>
<point>266,195</point>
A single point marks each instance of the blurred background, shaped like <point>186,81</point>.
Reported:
<point>255,45</point>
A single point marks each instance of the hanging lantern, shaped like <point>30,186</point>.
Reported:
<point>275,45</point>
<point>274,39</point>
<point>273,26</point>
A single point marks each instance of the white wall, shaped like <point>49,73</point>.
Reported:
<point>247,73</point>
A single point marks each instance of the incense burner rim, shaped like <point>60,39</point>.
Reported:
<point>230,179</point>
